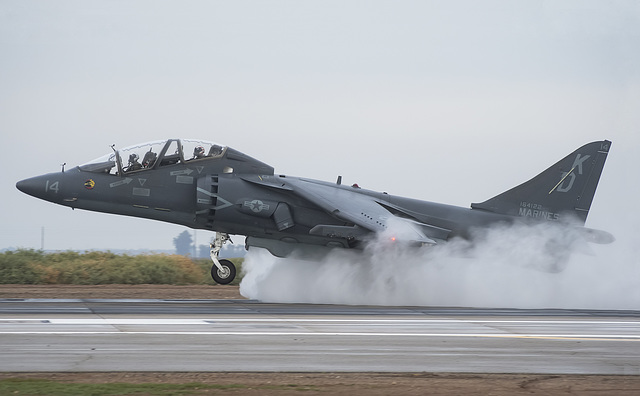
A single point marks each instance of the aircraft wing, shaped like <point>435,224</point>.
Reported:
<point>359,209</point>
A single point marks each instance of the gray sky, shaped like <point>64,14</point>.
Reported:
<point>447,101</point>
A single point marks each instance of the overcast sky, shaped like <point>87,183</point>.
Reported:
<point>447,101</point>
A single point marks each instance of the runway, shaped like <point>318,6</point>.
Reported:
<point>244,335</point>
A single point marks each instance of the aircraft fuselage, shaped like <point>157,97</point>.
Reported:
<point>223,190</point>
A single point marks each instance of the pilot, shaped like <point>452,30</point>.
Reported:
<point>198,152</point>
<point>149,159</point>
<point>215,150</point>
<point>133,163</point>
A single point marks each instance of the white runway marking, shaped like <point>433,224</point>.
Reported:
<point>603,337</point>
<point>187,321</point>
<point>579,330</point>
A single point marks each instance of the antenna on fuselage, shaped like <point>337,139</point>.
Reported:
<point>62,165</point>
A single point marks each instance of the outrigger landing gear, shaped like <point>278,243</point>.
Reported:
<point>222,271</point>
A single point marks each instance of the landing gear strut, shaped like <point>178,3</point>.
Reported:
<point>222,271</point>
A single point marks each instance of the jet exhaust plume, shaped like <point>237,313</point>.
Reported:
<point>516,266</point>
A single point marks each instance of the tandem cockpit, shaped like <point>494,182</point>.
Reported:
<point>153,155</point>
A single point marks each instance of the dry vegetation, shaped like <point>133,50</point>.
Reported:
<point>32,267</point>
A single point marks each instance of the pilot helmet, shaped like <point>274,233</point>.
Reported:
<point>198,151</point>
<point>133,157</point>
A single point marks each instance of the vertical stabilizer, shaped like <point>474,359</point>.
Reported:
<point>564,190</point>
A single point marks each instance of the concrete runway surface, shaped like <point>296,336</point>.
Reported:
<point>244,335</point>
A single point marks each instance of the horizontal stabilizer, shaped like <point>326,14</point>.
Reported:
<point>596,236</point>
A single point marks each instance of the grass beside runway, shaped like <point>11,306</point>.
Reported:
<point>220,383</point>
<point>37,387</point>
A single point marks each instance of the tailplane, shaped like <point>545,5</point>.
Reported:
<point>563,191</point>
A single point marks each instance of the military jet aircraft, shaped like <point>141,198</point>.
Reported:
<point>203,185</point>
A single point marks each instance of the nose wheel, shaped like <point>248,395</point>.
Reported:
<point>224,274</point>
<point>222,271</point>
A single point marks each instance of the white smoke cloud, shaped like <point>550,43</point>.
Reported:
<point>508,267</point>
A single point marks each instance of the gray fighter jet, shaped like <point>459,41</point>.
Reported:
<point>204,185</point>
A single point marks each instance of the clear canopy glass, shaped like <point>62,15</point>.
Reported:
<point>154,154</point>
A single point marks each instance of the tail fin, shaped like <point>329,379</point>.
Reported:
<point>566,188</point>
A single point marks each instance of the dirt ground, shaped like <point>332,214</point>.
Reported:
<point>171,292</point>
<point>310,383</point>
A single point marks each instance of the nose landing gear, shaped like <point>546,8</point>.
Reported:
<point>223,271</point>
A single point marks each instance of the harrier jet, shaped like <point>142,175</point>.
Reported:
<point>203,185</point>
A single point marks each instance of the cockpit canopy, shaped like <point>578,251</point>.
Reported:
<point>154,154</point>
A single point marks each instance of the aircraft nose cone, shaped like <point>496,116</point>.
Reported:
<point>35,186</point>
<point>28,186</point>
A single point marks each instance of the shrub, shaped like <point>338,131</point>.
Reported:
<point>95,268</point>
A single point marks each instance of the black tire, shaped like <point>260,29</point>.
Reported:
<point>224,277</point>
